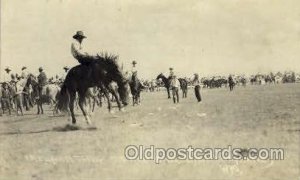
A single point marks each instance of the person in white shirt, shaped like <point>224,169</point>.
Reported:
<point>196,83</point>
<point>175,84</point>
<point>24,72</point>
<point>78,52</point>
<point>133,70</point>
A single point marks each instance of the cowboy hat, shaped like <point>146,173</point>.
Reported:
<point>7,69</point>
<point>18,77</point>
<point>134,62</point>
<point>66,68</point>
<point>24,67</point>
<point>79,35</point>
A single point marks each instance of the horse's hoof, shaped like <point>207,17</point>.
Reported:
<point>112,112</point>
<point>88,121</point>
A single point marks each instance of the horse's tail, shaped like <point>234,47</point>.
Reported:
<point>63,99</point>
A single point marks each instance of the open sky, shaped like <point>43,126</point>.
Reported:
<point>203,36</point>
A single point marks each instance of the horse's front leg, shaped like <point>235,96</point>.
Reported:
<point>106,94</point>
<point>139,98</point>
<point>100,100</point>
<point>41,106</point>
<point>21,110</point>
<point>94,103</point>
<point>114,94</point>
<point>38,106</point>
<point>168,91</point>
<point>177,95</point>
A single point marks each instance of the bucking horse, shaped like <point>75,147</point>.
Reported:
<point>100,72</point>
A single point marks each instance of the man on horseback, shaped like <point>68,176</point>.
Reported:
<point>133,71</point>
<point>230,82</point>
<point>42,80</point>
<point>77,51</point>
<point>171,74</point>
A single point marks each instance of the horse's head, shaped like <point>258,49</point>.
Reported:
<point>114,73</point>
<point>159,76</point>
<point>31,81</point>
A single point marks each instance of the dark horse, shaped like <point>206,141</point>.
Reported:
<point>100,72</point>
<point>47,96</point>
<point>183,86</point>
<point>166,82</point>
<point>136,88</point>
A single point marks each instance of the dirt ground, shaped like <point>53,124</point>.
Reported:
<point>267,116</point>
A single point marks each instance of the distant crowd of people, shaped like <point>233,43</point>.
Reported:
<point>17,82</point>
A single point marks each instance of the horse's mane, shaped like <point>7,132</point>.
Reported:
<point>104,56</point>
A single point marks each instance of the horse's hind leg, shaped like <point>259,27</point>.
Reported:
<point>71,106</point>
<point>38,106</point>
<point>177,95</point>
<point>81,102</point>
<point>94,103</point>
<point>133,100</point>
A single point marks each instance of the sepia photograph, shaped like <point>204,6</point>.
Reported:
<point>149,89</point>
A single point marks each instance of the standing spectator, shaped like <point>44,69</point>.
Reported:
<point>196,83</point>
<point>24,73</point>
<point>5,99</point>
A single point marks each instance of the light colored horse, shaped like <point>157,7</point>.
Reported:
<point>48,94</point>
